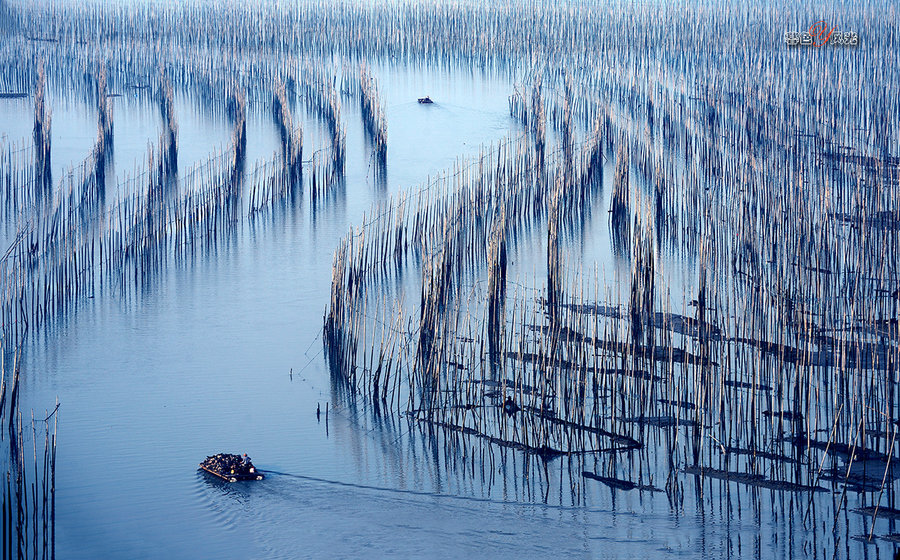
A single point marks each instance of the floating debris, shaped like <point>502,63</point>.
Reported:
<point>878,511</point>
<point>751,479</point>
<point>620,484</point>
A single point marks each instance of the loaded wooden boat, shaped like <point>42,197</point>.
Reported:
<point>230,468</point>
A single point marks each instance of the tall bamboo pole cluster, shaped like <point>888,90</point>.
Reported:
<point>481,35</point>
<point>447,234</point>
<point>291,137</point>
<point>29,493</point>
<point>168,144</point>
<point>619,206</point>
<point>770,363</point>
<point>75,247</point>
<point>17,167</point>
<point>374,120</point>
<point>530,111</point>
<point>323,99</point>
<point>42,135</point>
<point>105,111</point>
<point>236,108</point>
<point>496,290</point>
<point>539,120</point>
<point>95,168</point>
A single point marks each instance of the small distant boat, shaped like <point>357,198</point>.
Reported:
<point>425,100</point>
<point>230,468</point>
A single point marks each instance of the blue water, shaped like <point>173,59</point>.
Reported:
<point>223,354</point>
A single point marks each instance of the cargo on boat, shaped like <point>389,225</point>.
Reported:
<point>425,100</point>
<point>230,467</point>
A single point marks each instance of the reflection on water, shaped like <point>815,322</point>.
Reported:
<point>203,332</point>
<point>225,333</point>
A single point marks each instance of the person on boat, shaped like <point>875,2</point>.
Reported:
<point>246,463</point>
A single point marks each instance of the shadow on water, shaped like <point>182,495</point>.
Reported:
<point>687,290</point>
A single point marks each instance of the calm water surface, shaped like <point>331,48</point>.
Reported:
<point>224,355</point>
